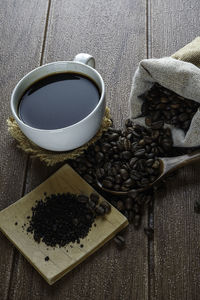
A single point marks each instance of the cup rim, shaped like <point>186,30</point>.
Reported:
<point>62,128</point>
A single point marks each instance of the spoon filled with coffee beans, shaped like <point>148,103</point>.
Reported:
<point>166,165</point>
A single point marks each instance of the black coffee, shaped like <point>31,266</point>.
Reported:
<point>58,100</point>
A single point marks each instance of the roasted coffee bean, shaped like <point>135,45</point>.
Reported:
<point>126,155</point>
<point>128,183</point>
<point>107,184</point>
<point>130,216</point>
<point>156,114</point>
<point>110,178</point>
<point>106,206</point>
<point>157,125</point>
<point>147,140</point>
<point>148,121</point>
<point>128,203</point>
<point>137,221</point>
<point>135,134</point>
<point>100,173</point>
<point>88,217</point>
<point>124,188</point>
<point>149,162</point>
<point>128,123</point>
<point>97,148</point>
<point>132,194</point>
<point>124,174</point>
<point>82,198</point>
<point>116,187</point>
<point>136,208</point>
<point>99,156</point>
<point>156,164</point>
<point>100,211</point>
<point>140,152</point>
<point>186,124</point>
<point>113,137</point>
<point>164,100</point>
<point>120,205</point>
<point>94,197</point>
<point>141,142</point>
<point>118,179</point>
<point>105,147</point>
<point>144,181</point>
<point>133,161</point>
<point>183,117</point>
<point>120,241</point>
<point>116,156</point>
<point>91,204</point>
<point>88,178</point>
<point>115,149</point>
<point>75,221</point>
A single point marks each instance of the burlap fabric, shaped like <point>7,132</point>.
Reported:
<point>49,157</point>
<point>179,73</point>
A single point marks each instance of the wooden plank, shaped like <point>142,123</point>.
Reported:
<point>176,242</point>
<point>61,260</point>
<point>21,41</point>
<point>114,33</point>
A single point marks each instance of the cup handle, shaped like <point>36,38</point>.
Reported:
<point>86,59</point>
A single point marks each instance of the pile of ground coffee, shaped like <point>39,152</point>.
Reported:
<point>59,219</point>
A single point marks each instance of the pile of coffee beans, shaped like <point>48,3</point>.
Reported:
<point>125,160</point>
<point>59,219</point>
<point>133,205</point>
<point>164,106</point>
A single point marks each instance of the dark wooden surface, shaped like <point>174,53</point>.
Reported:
<point>118,34</point>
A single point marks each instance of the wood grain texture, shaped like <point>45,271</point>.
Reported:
<point>176,243</point>
<point>114,33</point>
<point>21,37</point>
<point>61,260</point>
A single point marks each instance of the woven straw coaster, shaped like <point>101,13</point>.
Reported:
<point>49,157</point>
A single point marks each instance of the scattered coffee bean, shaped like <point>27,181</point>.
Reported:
<point>125,160</point>
<point>100,211</point>
<point>128,203</point>
<point>94,197</point>
<point>120,241</point>
<point>120,205</point>
<point>137,221</point>
<point>46,258</point>
<point>82,198</point>
<point>106,206</point>
<point>16,223</point>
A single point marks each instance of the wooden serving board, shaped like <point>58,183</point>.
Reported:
<point>61,260</point>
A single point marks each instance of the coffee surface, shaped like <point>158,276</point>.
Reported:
<point>58,101</point>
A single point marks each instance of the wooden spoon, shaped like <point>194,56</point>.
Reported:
<point>167,165</point>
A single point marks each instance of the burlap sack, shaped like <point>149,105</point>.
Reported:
<point>179,73</point>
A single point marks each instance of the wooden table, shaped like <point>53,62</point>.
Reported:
<point>118,34</point>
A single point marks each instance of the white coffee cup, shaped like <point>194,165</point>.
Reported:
<point>73,136</point>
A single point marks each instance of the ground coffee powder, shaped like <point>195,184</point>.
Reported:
<point>59,219</point>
